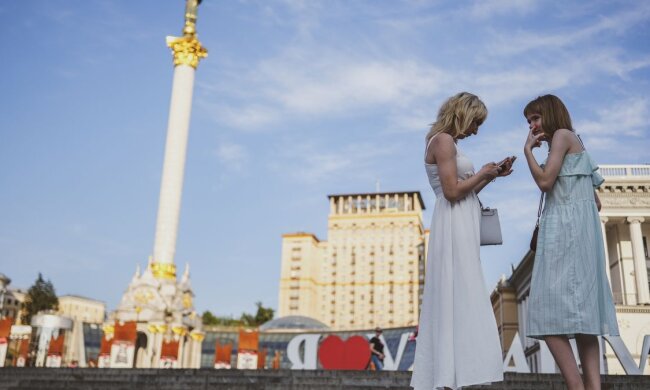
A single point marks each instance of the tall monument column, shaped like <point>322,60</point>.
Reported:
<point>187,52</point>
<point>160,305</point>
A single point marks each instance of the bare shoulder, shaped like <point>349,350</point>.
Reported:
<point>443,142</point>
<point>442,148</point>
<point>562,133</point>
<point>566,139</point>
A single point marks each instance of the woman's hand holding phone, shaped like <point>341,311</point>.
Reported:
<point>505,166</point>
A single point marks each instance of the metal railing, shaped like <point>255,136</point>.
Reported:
<point>624,170</point>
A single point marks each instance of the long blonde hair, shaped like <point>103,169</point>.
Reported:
<point>457,114</point>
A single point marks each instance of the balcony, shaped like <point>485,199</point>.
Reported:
<point>626,171</point>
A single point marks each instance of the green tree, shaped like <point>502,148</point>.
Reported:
<point>263,314</point>
<point>208,318</point>
<point>247,319</point>
<point>40,296</point>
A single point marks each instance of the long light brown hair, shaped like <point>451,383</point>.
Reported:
<point>457,114</point>
<point>553,112</point>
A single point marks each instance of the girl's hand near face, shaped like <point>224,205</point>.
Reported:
<point>534,140</point>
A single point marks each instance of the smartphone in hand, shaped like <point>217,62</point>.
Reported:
<point>506,163</point>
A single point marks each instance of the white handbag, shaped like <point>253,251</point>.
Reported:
<point>490,226</point>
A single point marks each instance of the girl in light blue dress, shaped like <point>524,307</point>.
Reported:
<point>569,294</point>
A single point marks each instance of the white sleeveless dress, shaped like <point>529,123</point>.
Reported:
<point>458,343</point>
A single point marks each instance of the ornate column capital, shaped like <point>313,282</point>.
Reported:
<point>187,50</point>
<point>163,270</point>
<point>635,219</point>
<point>604,220</point>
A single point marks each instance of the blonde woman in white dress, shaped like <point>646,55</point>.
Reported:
<point>458,343</point>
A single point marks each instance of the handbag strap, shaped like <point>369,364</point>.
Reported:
<point>581,143</point>
<point>481,204</point>
<point>539,209</point>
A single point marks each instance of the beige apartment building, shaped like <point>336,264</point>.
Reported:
<point>370,271</point>
<point>11,300</point>
<point>82,309</point>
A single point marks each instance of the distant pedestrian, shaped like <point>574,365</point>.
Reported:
<point>414,335</point>
<point>377,349</point>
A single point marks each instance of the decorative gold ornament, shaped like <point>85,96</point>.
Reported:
<point>187,50</point>
<point>187,300</point>
<point>143,297</point>
<point>179,330</point>
<point>197,336</point>
<point>108,329</point>
<point>157,328</point>
<point>191,8</point>
<point>163,271</point>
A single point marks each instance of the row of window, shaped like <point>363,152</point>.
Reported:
<point>12,302</point>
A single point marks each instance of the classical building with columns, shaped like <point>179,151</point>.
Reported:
<point>371,270</point>
<point>625,222</point>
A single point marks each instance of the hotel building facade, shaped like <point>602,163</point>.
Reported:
<point>625,223</point>
<point>370,271</point>
<point>82,309</point>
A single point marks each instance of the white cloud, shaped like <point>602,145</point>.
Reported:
<point>353,85</point>
<point>484,9</point>
<point>512,43</point>
<point>302,84</point>
<point>233,156</point>
<point>627,117</point>
<point>310,163</point>
<point>417,119</point>
<point>310,83</point>
<point>311,80</point>
<point>249,117</point>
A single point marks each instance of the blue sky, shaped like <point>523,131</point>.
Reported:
<point>297,100</point>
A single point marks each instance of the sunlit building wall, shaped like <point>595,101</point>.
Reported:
<point>371,270</point>
<point>82,309</point>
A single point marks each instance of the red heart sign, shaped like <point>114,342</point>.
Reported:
<point>351,354</point>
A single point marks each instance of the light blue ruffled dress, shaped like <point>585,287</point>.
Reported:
<point>569,291</point>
